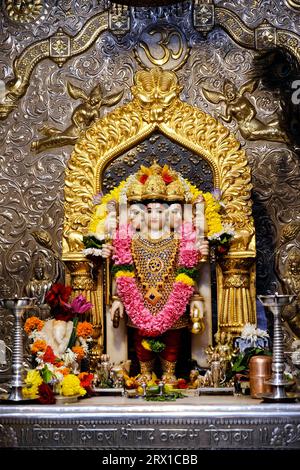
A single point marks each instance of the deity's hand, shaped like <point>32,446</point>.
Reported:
<point>203,247</point>
<point>107,250</point>
<point>116,308</point>
<point>111,223</point>
<point>197,306</point>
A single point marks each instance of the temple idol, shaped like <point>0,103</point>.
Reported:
<point>149,256</point>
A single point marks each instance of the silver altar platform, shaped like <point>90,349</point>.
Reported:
<point>110,423</point>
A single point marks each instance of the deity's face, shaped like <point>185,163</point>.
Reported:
<point>175,214</point>
<point>39,273</point>
<point>137,216</point>
<point>157,215</point>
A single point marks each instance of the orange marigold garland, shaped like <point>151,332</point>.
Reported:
<point>79,351</point>
<point>38,345</point>
<point>33,323</point>
<point>84,329</point>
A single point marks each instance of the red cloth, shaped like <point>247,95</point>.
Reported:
<point>171,339</point>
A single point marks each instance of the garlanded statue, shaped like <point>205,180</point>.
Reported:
<point>155,251</point>
<point>238,107</point>
<point>83,116</point>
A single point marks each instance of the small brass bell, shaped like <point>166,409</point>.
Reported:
<point>196,327</point>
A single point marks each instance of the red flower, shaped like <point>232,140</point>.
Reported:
<point>58,295</point>
<point>182,384</point>
<point>49,355</point>
<point>57,298</point>
<point>85,379</point>
<point>46,396</point>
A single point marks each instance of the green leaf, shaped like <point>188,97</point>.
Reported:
<point>72,340</point>
<point>46,375</point>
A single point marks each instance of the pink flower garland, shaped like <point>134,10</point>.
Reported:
<point>122,246</point>
<point>141,317</point>
<point>131,297</point>
<point>188,254</point>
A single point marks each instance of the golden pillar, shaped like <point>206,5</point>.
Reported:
<point>236,303</point>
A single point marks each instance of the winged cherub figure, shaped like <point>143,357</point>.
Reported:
<point>239,107</point>
<point>83,116</point>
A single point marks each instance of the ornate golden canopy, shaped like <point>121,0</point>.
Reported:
<point>156,106</point>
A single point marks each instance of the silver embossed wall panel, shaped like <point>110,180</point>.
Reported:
<point>31,184</point>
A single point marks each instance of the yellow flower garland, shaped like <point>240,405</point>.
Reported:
<point>32,380</point>
<point>212,208</point>
<point>124,274</point>
<point>70,385</point>
<point>96,226</point>
<point>185,279</point>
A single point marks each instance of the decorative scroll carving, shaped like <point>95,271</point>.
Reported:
<point>8,436</point>
<point>234,26</point>
<point>203,15</point>
<point>59,47</point>
<point>290,41</point>
<point>25,11</point>
<point>82,117</point>
<point>284,435</point>
<point>156,106</point>
<point>240,108</point>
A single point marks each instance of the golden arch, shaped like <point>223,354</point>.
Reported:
<point>156,106</point>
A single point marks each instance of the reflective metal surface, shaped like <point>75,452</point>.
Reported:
<point>17,306</point>
<point>275,303</point>
<point>122,423</point>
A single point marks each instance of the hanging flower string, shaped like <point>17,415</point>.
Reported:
<point>218,232</point>
<point>141,316</point>
<point>130,295</point>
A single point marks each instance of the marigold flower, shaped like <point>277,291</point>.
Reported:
<point>70,385</point>
<point>64,371</point>
<point>38,345</point>
<point>185,279</point>
<point>124,274</point>
<point>33,323</point>
<point>79,351</point>
<point>33,380</point>
<point>84,329</point>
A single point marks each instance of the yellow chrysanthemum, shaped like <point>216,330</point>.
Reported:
<point>124,273</point>
<point>185,279</point>
<point>212,208</point>
<point>96,225</point>
<point>70,385</point>
<point>32,380</point>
